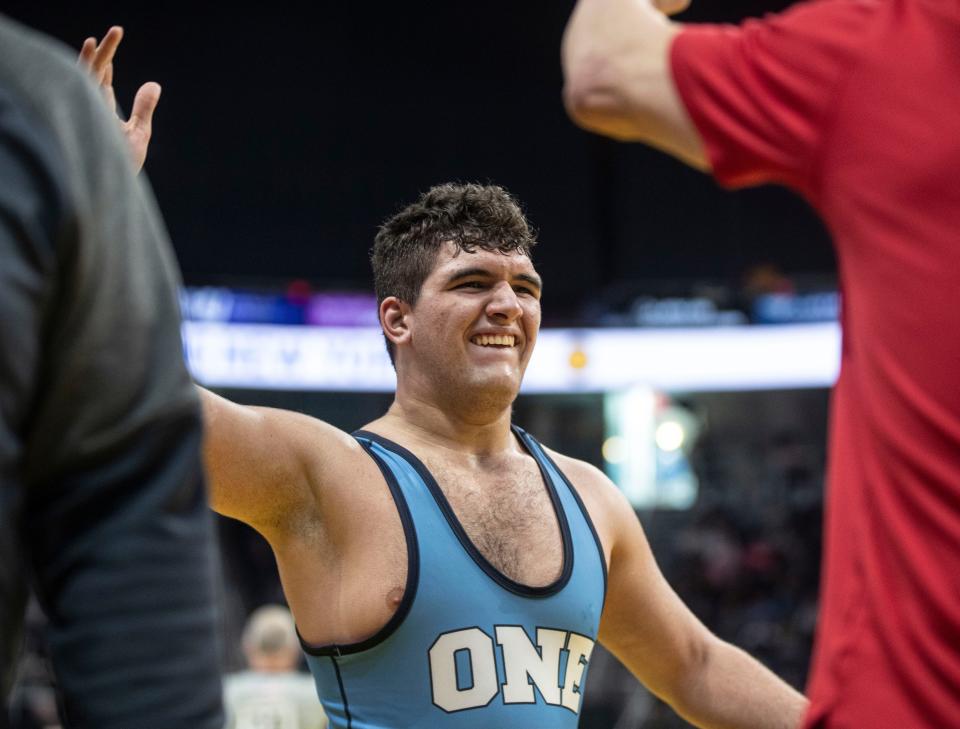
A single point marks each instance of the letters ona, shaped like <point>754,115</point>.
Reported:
<point>525,666</point>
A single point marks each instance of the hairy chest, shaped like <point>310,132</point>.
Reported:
<point>508,514</point>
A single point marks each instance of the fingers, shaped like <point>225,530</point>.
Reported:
<point>138,129</point>
<point>87,50</point>
<point>144,104</point>
<point>103,58</point>
<point>671,7</point>
<point>99,58</point>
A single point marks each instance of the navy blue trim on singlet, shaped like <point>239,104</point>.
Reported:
<point>586,515</point>
<point>343,692</point>
<point>413,573</point>
<point>492,572</point>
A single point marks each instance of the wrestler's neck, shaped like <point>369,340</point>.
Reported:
<point>474,426</point>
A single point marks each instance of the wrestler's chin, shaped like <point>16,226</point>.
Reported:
<point>490,392</point>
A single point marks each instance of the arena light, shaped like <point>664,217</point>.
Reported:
<point>614,449</point>
<point>566,360</point>
<point>669,435</point>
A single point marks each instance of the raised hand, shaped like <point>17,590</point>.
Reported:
<point>671,7</point>
<point>98,60</point>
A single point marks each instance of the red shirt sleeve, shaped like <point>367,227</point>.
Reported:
<point>761,93</point>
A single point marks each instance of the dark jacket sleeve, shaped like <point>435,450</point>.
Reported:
<point>31,206</point>
<point>107,430</point>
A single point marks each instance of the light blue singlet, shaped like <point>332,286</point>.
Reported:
<point>469,648</point>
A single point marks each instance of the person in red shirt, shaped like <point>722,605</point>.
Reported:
<point>855,105</point>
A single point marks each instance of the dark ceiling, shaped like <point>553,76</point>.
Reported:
<point>284,137</point>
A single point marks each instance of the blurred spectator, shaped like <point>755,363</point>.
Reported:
<point>272,693</point>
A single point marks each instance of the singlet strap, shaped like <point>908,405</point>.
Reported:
<point>536,449</point>
<point>550,484</point>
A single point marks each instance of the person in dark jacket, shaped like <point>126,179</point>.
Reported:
<point>102,505</point>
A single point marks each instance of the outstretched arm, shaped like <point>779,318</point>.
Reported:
<point>266,466</point>
<point>98,59</point>
<point>617,79</point>
<point>709,682</point>
<point>262,464</point>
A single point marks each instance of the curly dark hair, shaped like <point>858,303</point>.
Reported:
<point>469,215</point>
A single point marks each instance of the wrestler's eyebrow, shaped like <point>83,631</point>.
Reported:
<point>531,279</point>
<point>467,273</point>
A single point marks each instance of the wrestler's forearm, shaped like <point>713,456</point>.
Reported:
<point>732,690</point>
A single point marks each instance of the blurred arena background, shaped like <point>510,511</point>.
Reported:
<point>689,333</point>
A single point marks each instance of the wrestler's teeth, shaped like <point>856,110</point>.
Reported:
<point>504,340</point>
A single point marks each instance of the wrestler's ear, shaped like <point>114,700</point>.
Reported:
<point>394,318</point>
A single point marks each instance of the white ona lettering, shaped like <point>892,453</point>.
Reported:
<point>521,659</point>
<point>580,648</point>
<point>525,665</point>
<point>443,670</point>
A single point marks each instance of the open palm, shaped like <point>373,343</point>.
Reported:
<point>98,59</point>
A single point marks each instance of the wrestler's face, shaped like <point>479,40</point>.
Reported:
<point>474,326</point>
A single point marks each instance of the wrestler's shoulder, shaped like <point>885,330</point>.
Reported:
<point>603,500</point>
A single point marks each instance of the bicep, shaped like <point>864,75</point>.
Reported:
<point>257,459</point>
<point>644,622</point>
<point>618,81</point>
